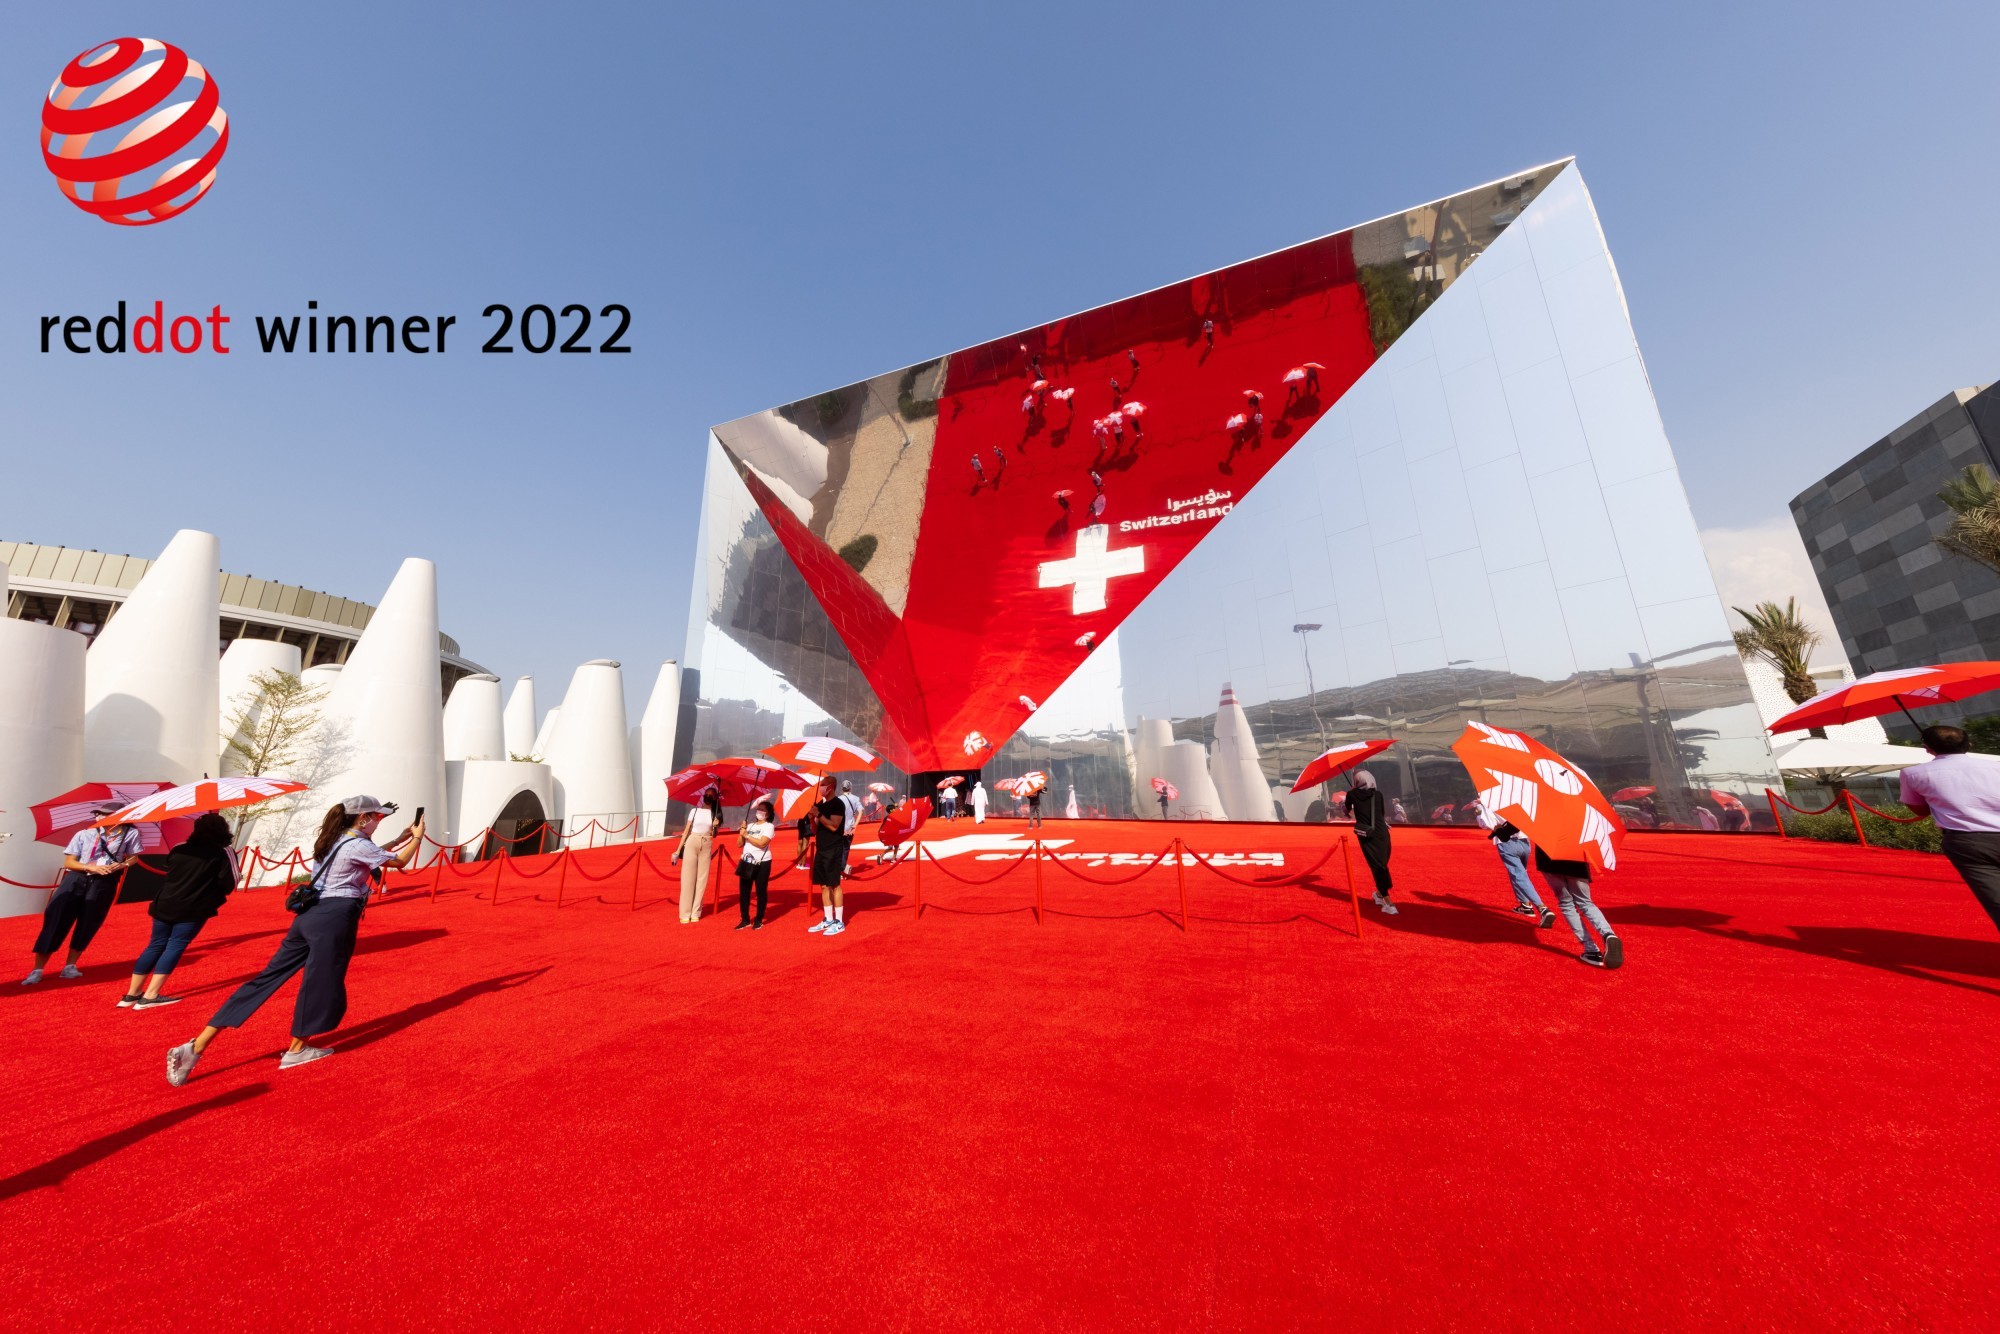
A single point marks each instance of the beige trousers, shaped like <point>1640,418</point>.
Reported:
<point>694,872</point>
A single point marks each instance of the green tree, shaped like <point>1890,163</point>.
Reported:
<point>270,725</point>
<point>1781,637</point>
<point>1974,500</point>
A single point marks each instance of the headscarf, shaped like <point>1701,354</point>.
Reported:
<point>1362,778</point>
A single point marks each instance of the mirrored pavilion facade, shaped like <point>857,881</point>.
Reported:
<point>1169,549</point>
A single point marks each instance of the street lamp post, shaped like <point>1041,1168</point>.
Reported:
<point>1303,629</point>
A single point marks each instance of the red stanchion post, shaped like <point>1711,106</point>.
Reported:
<point>1180,871</point>
<point>638,858</point>
<point>562,875</point>
<point>1347,858</point>
<point>1038,882</point>
<point>499,869</point>
<point>918,845</point>
<point>437,873</point>
<point>1847,799</point>
<point>1771,800</point>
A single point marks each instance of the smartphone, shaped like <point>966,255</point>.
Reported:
<point>419,817</point>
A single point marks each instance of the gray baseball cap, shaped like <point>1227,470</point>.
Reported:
<point>367,806</point>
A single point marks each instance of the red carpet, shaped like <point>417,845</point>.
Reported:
<point>1779,1113</point>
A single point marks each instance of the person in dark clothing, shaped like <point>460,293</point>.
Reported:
<point>94,865</point>
<point>1035,809</point>
<point>1571,883</point>
<point>1371,831</point>
<point>829,861</point>
<point>753,864</point>
<point>201,873</point>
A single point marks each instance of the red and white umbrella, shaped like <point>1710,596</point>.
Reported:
<point>1133,409</point>
<point>189,799</point>
<point>740,780</point>
<point>952,781</point>
<point>1296,375</point>
<point>1032,782</point>
<point>1523,781</point>
<point>58,819</point>
<point>881,787</point>
<point>1238,422</point>
<point>1337,761</point>
<point>1166,789</point>
<point>1886,692</point>
<point>823,754</point>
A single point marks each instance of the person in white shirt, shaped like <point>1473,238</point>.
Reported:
<point>979,803</point>
<point>1961,791</point>
<point>704,822</point>
<point>853,805</point>
<point>321,941</point>
<point>753,864</point>
<point>94,863</point>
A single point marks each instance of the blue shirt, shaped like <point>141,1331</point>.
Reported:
<point>349,868</point>
<point>118,844</point>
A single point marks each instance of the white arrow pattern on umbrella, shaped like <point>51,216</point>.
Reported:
<point>210,794</point>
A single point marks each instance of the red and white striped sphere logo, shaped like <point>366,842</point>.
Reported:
<point>133,131</point>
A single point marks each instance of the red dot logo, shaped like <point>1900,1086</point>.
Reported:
<point>133,131</point>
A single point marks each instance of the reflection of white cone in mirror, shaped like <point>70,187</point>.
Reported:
<point>1239,775</point>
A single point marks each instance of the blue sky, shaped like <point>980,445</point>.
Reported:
<point>792,197</point>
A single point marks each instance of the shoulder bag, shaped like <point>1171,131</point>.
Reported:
<point>303,897</point>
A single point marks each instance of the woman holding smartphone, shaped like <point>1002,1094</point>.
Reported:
<point>753,866</point>
<point>321,941</point>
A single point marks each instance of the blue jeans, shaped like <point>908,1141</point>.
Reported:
<point>1514,856</point>
<point>163,951</point>
<point>1572,896</point>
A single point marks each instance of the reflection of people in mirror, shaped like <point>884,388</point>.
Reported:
<point>1208,332</point>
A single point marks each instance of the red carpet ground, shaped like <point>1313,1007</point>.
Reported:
<point>1779,1113</point>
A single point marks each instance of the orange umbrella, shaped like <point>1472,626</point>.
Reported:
<point>1886,692</point>
<point>1541,792</point>
<point>1338,760</point>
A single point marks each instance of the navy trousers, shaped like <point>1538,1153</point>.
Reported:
<point>76,910</point>
<point>321,941</point>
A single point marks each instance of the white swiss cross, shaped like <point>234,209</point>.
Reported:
<point>1090,571</point>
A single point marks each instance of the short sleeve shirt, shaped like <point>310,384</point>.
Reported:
<point>350,867</point>
<point>752,854</point>
<point>832,807</point>
<point>117,845</point>
<point>1963,791</point>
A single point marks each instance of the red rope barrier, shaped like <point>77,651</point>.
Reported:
<point>1293,879</point>
<point>1159,859</point>
<point>1897,819</point>
<point>619,869</point>
<point>1830,806</point>
<point>22,884</point>
<point>989,880</point>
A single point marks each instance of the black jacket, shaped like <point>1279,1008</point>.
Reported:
<point>1548,865</point>
<point>199,878</point>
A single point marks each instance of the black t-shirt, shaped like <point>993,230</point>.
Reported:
<point>834,809</point>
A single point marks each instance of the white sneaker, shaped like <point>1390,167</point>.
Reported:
<point>821,925</point>
<point>1382,902</point>
<point>70,971</point>
<point>302,1056</point>
<point>33,977</point>
<point>180,1060</point>
<point>835,928</point>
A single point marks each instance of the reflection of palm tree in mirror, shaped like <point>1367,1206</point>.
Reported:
<point>1974,500</point>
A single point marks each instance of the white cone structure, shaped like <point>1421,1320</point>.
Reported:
<point>472,720</point>
<point>41,747</point>
<point>590,758</point>
<point>151,678</point>
<point>383,724</point>
<point>654,761</point>
<point>1185,765</point>
<point>545,739</point>
<point>518,722</point>
<point>321,677</point>
<point>477,792</point>
<point>237,697</point>
<point>1153,736</point>
<point>1239,775</point>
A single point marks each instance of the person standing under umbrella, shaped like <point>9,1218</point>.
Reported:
<point>201,873</point>
<point>949,800</point>
<point>1035,808</point>
<point>1371,831</point>
<point>753,865</point>
<point>1514,847</point>
<point>1961,792</point>
<point>321,941</point>
<point>704,822</point>
<point>1571,883</point>
<point>829,858</point>
<point>94,863</point>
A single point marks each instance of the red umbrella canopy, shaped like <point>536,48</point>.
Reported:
<point>1886,692</point>
<point>952,781</point>
<point>881,787</point>
<point>1521,780</point>
<point>740,780</point>
<point>1166,789</point>
<point>1338,761</point>
<point>58,819</point>
<point>1032,782</point>
<point>1715,794</point>
<point>905,820</point>
<point>191,799</point>
<point>824,754</point>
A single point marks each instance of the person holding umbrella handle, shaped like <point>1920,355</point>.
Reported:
<point>321,941</point>
<point>92,864</point>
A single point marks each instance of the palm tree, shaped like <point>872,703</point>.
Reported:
<point>1974,500</point>
<point>1780,636</point>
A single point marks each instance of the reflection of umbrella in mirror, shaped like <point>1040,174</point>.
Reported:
<point>823,753</point>
<point>881,787</point>
<point>1337,761</point>
<point>1240,421</point>
<point>952,781</point>
<point>1296,375</point>
<point>1166,789</point>
<point>1097,506</point>
<point>1062,498</point>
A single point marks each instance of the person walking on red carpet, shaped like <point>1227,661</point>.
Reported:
<point>321,941</point>
<point>94,864</point>
<point>1371,830</point>
<point>1961,792</point>
<point>1570,881</point>
<point>1513,847</point>
<point>829,858</point>
<point>201,874</point>
<point>704,822</point>
<point>753,864</point>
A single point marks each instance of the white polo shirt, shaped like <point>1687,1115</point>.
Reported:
<point>1963,791</point>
